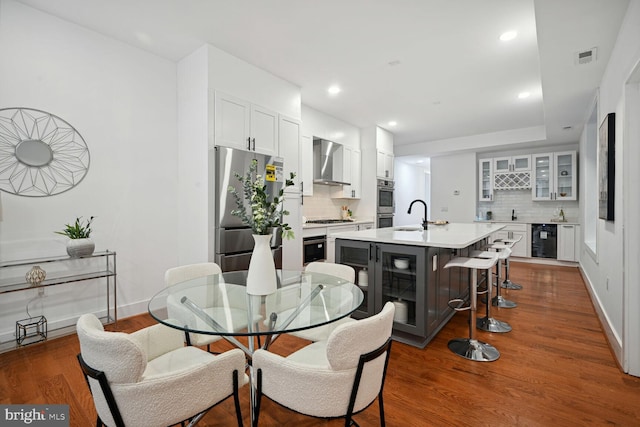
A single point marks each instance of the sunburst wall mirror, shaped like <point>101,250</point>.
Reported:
<point>40,153</point>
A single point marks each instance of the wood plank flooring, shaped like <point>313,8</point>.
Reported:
<point>555,369</point>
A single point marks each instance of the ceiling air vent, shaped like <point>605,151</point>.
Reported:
<point>586,56</point>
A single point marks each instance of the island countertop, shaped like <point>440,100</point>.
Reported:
<point>453,235</point>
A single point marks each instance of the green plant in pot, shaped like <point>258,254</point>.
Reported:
<point>263,213</point>
<point>79,233</point>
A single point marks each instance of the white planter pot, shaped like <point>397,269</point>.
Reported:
<point>80,247</point>
<point>261,277</point>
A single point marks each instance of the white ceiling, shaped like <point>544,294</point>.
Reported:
<point>454,77</point>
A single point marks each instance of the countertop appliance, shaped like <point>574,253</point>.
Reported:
<point>233,241</point>
<point>544,240</point>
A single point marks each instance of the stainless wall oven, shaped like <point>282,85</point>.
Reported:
<point>384,220</point>
<point>385,201</point>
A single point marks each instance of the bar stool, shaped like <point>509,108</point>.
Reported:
<point>488,323</point>
<point>470,348</point>
<point>499,300</point>
<point>508,284</point>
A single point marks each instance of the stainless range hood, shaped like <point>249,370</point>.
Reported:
<point>328,160</point>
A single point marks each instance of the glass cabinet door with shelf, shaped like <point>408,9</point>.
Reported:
<point>485,180</point>
<point>565,174</point>
<point>542,176</point>
<point>357,255</point>
<point>400,275</point>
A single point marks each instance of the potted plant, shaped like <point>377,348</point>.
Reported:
<point>80,243</point>
<point>264,214</point>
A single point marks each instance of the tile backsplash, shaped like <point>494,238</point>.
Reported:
<point>526,209</point>
<point>322,206</point>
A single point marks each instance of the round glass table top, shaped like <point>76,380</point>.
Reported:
<point>219,304</point>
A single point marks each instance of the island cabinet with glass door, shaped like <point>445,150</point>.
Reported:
<point>412,277</point>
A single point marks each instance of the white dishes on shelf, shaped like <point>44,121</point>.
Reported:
<point>401,263</point>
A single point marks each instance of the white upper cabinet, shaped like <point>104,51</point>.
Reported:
<point>485,180</point>
<point>290,138</point>
<point>351,172</point>
<point>240,124</point>
<point>384,164</point>
<point>512,164</point>
<point>555,176</point>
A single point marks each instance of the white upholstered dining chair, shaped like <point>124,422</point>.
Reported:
<point>338,377</point>
<point>149,378</point>
<point>345,272</point>
<point>189,272</point>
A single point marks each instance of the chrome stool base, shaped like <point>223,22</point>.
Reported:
<point>474,350</point>
<point>490,324</point>
<point>499,301</point>
<point>508,284</point>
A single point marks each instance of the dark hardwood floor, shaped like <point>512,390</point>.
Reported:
<point>555,369</point>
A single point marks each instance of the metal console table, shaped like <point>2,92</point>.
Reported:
<point>61,270</point>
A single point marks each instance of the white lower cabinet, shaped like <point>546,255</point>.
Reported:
<point>514,231</point>
<point>568,238</point>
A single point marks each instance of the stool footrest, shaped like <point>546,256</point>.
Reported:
<point>456,304</point>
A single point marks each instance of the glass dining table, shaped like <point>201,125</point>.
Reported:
<point>219,305</point>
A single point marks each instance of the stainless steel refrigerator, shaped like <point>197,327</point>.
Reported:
<point>233,242</point>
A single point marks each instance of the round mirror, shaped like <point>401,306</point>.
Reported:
<point>33,152</point>
<point>40,154</point>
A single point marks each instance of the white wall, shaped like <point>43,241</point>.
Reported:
<point>123,102</point>
<point>413,180</point>
<point>456,172</point>
<point>605,274</point>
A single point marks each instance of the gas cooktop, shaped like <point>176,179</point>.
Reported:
<point>327,221</point>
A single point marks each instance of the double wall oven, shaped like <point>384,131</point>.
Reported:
<point>385,205</point>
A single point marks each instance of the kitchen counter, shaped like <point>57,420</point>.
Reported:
<point>451,236</point>
<point>528,221</point>
<point>307,225</point>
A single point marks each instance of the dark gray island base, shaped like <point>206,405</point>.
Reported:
<point>409,271</point>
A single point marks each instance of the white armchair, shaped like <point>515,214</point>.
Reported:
<point>335,378</point>
<point>149,378</point>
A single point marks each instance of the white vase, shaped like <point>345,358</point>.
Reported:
<point>80,247</point>
<point>261,278</point>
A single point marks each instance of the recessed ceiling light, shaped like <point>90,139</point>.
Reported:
<point>334,90</point>
<point>393,123</point>
<point>508,35</point>
<point>523,95</point>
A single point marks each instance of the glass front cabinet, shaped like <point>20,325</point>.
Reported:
<point>555,176</point>
<point>485,180</point>
<point>412,277</point>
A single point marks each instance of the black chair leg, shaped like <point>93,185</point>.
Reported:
<point>236,398</point>
<point>382,423</point>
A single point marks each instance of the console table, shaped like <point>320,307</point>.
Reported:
<point>64,269</point>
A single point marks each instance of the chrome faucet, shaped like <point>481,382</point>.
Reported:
<point>425,223</point>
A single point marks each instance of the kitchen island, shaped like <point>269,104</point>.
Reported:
<point>406,265</point>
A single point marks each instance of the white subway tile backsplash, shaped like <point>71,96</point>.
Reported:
<point>526,209</point>
<point>322,206</point>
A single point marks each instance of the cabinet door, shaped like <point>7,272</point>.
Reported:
<point>292,249</point>
<point>400,278</point>
<point>485,180</point>
<point>384,165</point>
<point>521,163</point>
<point>344,191</point>
<point>306,165</point>
<point>231,122</point>
<point>520,248</point>
<point>542,187</point>
<point>566,242</point>
<point>356,174</point>
<point>264,130</point>
<point>289,147</point>
<point>565,176</point>
<point>502,164</point>
<point>359,255</point>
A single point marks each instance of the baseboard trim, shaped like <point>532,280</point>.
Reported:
<point>615,343</point>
